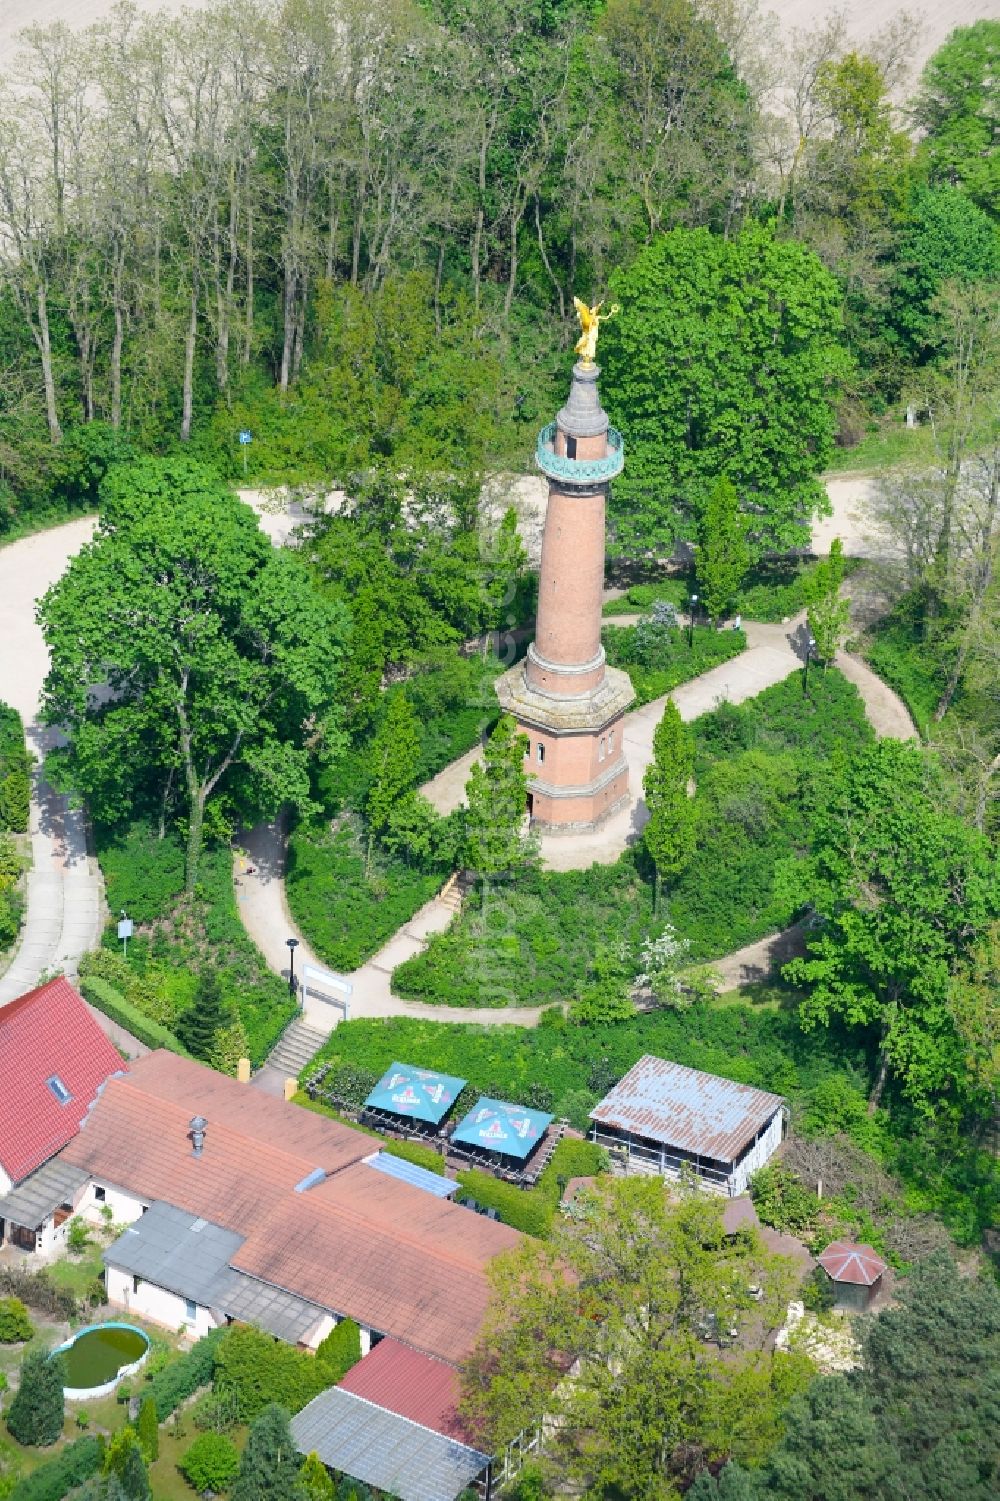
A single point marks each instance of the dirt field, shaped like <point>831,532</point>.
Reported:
<point>940,16</point>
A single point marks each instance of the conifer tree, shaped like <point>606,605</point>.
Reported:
<point>317,1482</point>
<point>269,1469</point>
<point>36,1414</point>
<point>670,833</point>
<point>723,550</point>
<point>148,1430</point>
<point>497,795</point>
<point>197,1026</point>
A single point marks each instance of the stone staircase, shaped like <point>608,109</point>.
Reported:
<point>456,889</point>
<point>296,1045</point>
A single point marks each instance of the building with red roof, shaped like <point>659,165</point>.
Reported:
<point>856,1272</point>
<point>54,1059</point>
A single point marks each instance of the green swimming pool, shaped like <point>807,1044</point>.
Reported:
<point>95,1356</point>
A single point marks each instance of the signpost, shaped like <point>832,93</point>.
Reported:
<point>125,931</point>
<point>246,438</point>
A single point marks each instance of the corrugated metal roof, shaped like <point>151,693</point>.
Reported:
<point>845,1262</point>
<point>682,1107</point>
<point>415,1386</point>
<point>409,1172</point>
<point>383,1449</point>
<point>177,1251</point>
<point>31,1203</point>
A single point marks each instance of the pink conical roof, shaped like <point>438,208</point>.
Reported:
<point>846,1262</point>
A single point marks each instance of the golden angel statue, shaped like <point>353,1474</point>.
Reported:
<point>591,319</point>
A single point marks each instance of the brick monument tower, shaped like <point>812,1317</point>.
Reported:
<point>564,698</point>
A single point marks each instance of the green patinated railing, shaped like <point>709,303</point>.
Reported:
<point>579,471</point>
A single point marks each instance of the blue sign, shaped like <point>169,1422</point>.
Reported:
<point>245,437</point>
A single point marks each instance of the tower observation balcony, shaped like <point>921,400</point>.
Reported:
<point>559,467</point>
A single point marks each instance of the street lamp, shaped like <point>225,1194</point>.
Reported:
<point>694,606</point>
<point>293,944</point>
<point>810,648</point>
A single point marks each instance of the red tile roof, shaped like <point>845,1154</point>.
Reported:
<point>359,1243</point>
<point>845,1262</point>
<point>47,1032</point>
<point>415,1386</point>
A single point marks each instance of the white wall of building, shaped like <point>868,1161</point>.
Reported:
<point>759,1154</point>
<point>5,1184</point>
<point>125,1207</point>
<point>156,1304</point>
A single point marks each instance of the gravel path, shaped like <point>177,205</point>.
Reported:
<point>65,906</point>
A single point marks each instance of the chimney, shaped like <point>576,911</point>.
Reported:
<point>198,1125</point>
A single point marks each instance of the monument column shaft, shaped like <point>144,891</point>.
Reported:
<point>570,594</point>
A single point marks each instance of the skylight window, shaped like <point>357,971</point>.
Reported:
<point>59,1089</point>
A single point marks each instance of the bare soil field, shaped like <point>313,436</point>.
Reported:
<point>938,17</point>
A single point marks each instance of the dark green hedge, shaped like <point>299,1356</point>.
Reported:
<point>15,766</point>
<point>102,995</point>
<point>58,1476</point>
<point>182,1378</point>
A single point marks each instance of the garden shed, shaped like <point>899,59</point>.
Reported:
<point>856,1273</point>
<point>664,1118</point>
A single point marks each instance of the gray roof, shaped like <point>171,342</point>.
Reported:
<point>384,1450</point>
<point>682,1107</point>
<point>31,1203</point>
<point>271,1308</point>
<point>177,1251</point>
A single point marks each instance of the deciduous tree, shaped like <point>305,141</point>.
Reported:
<point>827,612</point>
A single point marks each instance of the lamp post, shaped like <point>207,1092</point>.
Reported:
<point>293,944</point>
<point>810,648</point>
<point>694,606</point>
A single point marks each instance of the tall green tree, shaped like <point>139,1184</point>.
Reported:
<point>670,833</point>
<point>723,551</point>
<point>317,1482</point>
<point>269,1468</point>
<point>956,107</point>
<point>826,612</point>
<point>631,1287</point>
<point>198,1026</point>
<point>497,796</point>
<point>393,761</point>
<point>904,888</point>
<point>726,359</point>
<point>946,238</point>
<point>35,1415</point>
<point>186,652</point>
<point>148,1429</point>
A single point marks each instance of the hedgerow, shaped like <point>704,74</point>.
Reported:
<point>102,995</point>
<point>182,1378</point>
<point>56,1477</point>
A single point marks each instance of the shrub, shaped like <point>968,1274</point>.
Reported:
<point>258,1369</point>
<point>340,1350</point>
<point>210,1463</point>
<point>664,661</point>
<point>102,995</point>
<point>781,1199</point>
<point>35,1416</point>
<point>147,1428</point>
<point>182,1378</point>
<point>37,1290</point>
<point>818,1292</point>
<point>15,1325</point>
<point>15,801</point>
<point>55,1478</point>
<point>15,765</point>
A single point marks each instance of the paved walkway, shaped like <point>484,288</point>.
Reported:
<point>65,906</point>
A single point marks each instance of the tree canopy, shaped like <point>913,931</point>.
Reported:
<point>725,360</point>
<point>191,664</point>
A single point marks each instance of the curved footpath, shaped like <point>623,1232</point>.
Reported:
<point>65,893</point>
<point>65,906</point>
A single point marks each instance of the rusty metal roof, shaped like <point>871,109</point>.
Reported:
<point>844,1261</point>
<point>682,1107</point>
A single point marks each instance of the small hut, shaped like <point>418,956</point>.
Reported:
<point>856,1274</point>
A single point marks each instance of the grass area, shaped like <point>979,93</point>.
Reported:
<point>658,659</point>
<point>345,914</point>
<point>165,1479</point>
<point>176,937</point>
<point>761,995</point>
<point>775,588</point>
<point>913,656</point>
<point>78,1274</point>
<point>889,445</point>
<point>757,764</point>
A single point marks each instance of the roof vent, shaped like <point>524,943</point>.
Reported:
<point>310,1180</point>
<point>198,1125</point>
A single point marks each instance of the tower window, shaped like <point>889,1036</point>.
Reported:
<point>611,741</point>
<point>600,753</point>
<point>571,448</point>
<point>541,751</point>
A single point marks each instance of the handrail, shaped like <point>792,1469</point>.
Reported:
<point>579,471</point>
